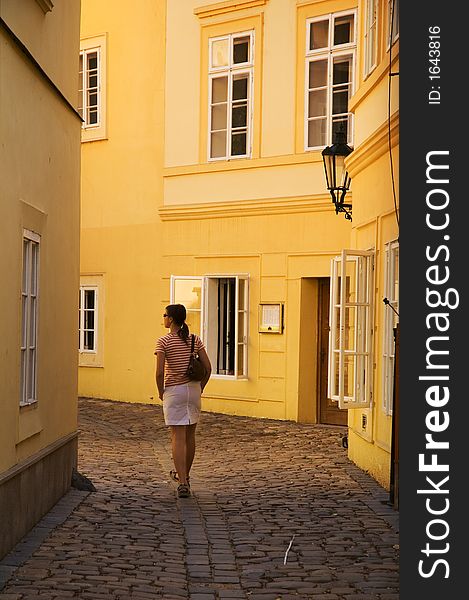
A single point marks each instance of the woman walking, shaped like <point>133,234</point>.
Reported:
<point>180,394</point>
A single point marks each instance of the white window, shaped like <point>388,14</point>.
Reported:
<point>391,318</point>
<point>230,95</point>
<point>350,336</point>
<point>29,317</point>
<point>393,21</point>
<point>329,76</point>
<point>88,319</point>
<point>90,87</point>
<point>370,41</point>
<point>217,309</point>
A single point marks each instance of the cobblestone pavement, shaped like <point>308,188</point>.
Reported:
<point>278,512</point>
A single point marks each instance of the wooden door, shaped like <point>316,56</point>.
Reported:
<point>328,411</point>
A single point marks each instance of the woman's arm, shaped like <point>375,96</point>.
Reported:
<point>204,359</point>
<point>160,373</point>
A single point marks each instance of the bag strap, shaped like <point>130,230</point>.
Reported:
<point>192,343</point>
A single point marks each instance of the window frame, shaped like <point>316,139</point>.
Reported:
<point>81,328</point>
<point>230,71</point>
<point>29,317</point>
<point>84,108</point>
<point>205,321</point>
<point>370,40</point>
<point>95,131</point>
<point>389,319</point>
<point>329,53</point>
<point>362,354</point>
<point>172,300</point>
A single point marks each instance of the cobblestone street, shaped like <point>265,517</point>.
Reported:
<point>278,512</point>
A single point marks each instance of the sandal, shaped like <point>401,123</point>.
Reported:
<point>183,491</point>
<point>175,477</point>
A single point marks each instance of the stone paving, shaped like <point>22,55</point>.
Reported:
<point>278,512</point>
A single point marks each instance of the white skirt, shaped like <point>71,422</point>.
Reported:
<point>181,403</point>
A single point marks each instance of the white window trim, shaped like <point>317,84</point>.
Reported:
<point>363,349</point>
<point>204,320</point>
<point>370,50</point>
<point>93,132</point>
<point>30,344</point>
<point>388,332</point>
<point>83,289</point>
<point>84,53</point>
<point>329,53</point>
<point>229,71</point>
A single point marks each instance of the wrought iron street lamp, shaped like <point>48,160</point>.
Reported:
<point>337,177</point>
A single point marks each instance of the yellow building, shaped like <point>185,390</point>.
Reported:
<point>229,214</point>
<point>39,261</point>
<point>122,78</point>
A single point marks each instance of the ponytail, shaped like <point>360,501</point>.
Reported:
<point>183,333</point>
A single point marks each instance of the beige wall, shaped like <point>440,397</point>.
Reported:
<point>39,191</point>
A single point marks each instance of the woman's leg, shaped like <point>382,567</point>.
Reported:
<point>190,446</point>
<point>178,444</point>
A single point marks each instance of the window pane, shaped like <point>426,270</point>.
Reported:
<point>239,115</point>
<point>34,264</point>
<point>220,49</point>
<point>89,319</point>
<point>339,101</point>
<point>219,116</point>
<point>317,73</point>
<point>188,292</point>
<point>240,87</point>
<point>319,35</point>
<point>92,61</point>
<point>32,322</point>
<point>341,71</point>
<point>341,129</point>
<point>92,117</point>
<point>218,144</point>
<point>349,380</point>
<point>349,330</point>
<point>89,299</point>
<point>241,50</point>
<point>317,103</point>
<point>89,340</point>
<point>317,132</point>
<point>242,287</point>
<point>219,89</point>
<point>93,81</point>
<point>31,376</point>
<point>25,265</point>
<point>343,30</point>
<point>241,324</point>
<point>23,321</point>
<point>240,369</point>
<point>238,144</point>
<point>92,99</point>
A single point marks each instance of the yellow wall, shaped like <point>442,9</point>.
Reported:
<point>39,191</point>
<point>121,191</point>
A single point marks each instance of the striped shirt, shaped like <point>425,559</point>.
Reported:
<point>176,357</point>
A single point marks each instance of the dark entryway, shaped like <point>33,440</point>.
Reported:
<point>328,411</point>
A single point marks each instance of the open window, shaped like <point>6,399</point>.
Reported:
<point>351,326</point>
<point>217,309</point>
